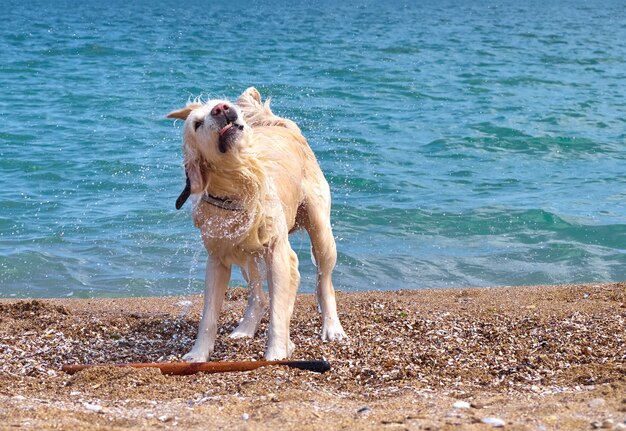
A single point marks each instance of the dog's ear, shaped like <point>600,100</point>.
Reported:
<point>193,169</point>
<point>249,96</point>
<point>182,114</point>
<point>194,183</point>
<point>196,180</point>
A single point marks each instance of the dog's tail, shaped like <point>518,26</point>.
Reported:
<point>257,113</point>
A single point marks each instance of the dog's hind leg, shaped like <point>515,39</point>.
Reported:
<point>283,279</point>
<point>325,254</point>
<point>216,281</point>
<point>257,303</point>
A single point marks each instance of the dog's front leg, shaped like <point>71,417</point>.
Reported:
<point>215,283</point>
<point>283,279</point>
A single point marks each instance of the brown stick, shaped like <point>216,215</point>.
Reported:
<point>187,368</point>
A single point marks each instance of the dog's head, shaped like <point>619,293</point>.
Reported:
<point>213,134</point>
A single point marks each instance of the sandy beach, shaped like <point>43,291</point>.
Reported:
<point>522,358</point>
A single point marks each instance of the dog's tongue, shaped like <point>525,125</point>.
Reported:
<point>225,128</point>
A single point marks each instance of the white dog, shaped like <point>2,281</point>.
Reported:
<point>258,180</point>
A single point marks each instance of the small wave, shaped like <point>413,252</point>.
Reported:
<point>494,138</point>
<point>88,50</point>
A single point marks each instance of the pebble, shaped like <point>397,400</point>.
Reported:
<point>494,422</point>
<point>461,405</point>
<point>478,404</point>
<point>607,423</point>
<point>364,409</point>
<point>165,418</point>
<point>245,416</point>
<point>620,427</point>
<point>93,407</point>
<point>597,402</point>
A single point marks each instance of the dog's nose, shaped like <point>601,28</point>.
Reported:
<point>228,111</point>
<point>220,108</point>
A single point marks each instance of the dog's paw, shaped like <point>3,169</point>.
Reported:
<point>248,325</point>
<point>274,355</point>
<point>243,331</point>
<point>292,347</point>
<point>195,356</point>
<point>333,331</point>
<point>277,353</point>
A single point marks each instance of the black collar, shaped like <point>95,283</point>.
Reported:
<point>223,203</point>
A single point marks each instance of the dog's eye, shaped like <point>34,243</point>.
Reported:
<point>197,124</point>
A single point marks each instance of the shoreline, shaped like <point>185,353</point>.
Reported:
<point>444,358</point>
<point>240,284</point>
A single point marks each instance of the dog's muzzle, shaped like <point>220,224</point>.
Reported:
<point>225,116</point>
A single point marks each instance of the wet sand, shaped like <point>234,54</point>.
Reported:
<point>531,358</point>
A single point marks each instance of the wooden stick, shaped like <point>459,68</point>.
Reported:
<point>187,368</point>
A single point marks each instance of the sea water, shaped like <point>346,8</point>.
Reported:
<point>467,143</point>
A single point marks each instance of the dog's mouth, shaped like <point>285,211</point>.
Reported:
<point>228,134</point>
<point>229,126</point>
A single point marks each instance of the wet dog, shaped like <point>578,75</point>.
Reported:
<point>257,180</point>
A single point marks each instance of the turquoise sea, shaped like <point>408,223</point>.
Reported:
<point>467,143</point>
